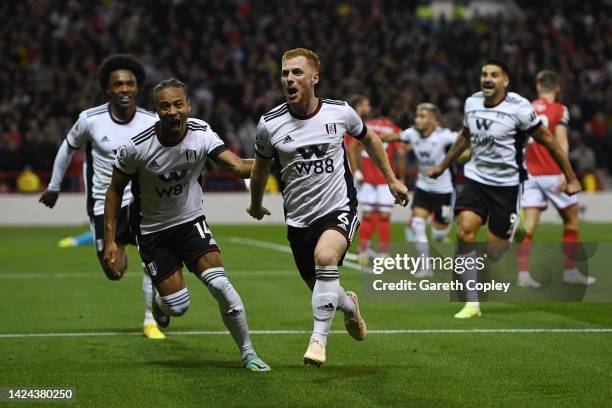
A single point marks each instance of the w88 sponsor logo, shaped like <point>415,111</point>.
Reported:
<point>316,166</point>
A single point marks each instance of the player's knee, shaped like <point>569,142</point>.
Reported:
<point>465,234</point>
<point>326,256</point>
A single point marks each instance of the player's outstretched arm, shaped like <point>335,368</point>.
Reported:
<point>61,163</point>
<point>259,179</point>
<point>461,144</point>
<point>112,203</point>
<point>372,144</point>
<point>239,167</point>
<point>543,136</point>
<point>389,137</point>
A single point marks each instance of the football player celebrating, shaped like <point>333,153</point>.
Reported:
<point>164,162</point>
<point>305,135</point>
<point>496,124</point>
<point>101,130</point>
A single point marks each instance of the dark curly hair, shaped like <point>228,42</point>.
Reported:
<point>120,61</point>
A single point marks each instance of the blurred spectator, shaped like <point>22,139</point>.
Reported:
<point>228,52</point>
<point>28,181</point>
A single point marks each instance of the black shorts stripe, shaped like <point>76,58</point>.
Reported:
<point>351,191</point>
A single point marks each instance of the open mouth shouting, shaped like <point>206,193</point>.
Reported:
<point>292,93</point>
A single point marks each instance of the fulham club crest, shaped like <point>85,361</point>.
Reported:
<point>331,128</point>
<point>191,156</point>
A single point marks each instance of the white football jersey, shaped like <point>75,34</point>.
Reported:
<point>102,134</point>
<point>315,174</point>
<point>498,137</point>
<point>430,151</point>
<point>165,178</point>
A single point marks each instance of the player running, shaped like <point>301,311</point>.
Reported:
<point>164,161</point>
<point>375,199</point>
<point>101,130</point>
<point>546,183</point>
<point>432,196</point>
<point>305,135</point>
<point>496,124</point>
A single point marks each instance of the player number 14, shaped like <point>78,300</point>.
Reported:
<point>202,228</point>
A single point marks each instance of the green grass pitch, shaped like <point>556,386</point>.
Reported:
<point>44,289</point>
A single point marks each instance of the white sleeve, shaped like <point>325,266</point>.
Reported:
<point>79,133</point>
<point>405,135</point>
<point>450,137</point>
<point>354,125</point>
<point>213,145</point>
<point>528,119</point>
<point>263,147</point>
<point>126,159</point>
<point>61,163</point>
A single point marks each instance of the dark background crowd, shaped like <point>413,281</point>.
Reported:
<point>228,52</point>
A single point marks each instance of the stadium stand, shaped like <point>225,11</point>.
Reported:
<point>228,52</point>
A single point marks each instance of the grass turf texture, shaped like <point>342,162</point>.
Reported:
<point>450,370</point>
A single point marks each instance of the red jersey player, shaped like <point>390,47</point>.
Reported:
<point>373,195</point>
<point>546,183</point>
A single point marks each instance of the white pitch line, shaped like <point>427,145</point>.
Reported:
<point>282,248</point>
<point>291,332</point>
<point>88,275</point>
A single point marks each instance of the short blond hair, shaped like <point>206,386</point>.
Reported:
<point>311,56</point>
<point>429,107</point>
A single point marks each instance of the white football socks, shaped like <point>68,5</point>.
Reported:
<point>325,297</point>
<point>230,306</point>
<point>147,289</point>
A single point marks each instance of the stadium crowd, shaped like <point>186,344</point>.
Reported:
<point>228,52</point>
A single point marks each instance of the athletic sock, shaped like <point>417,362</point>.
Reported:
<point>324,301</point>
<point>384,233</point>
<point>175,304</point>
<point>421,243</point>
<point>440,234</point>
<point>524,253</point>
<point>230,306</point>
<point>147,289</point>
<point>570,247</point>
<point>469,274</point>
<point>365,233</point>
